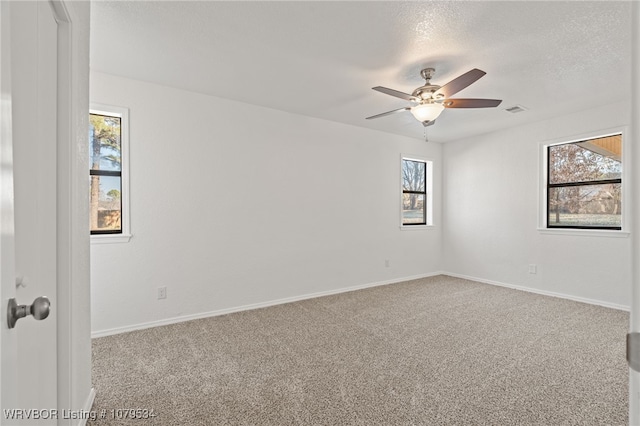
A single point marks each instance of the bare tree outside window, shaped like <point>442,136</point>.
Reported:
<point>106,174</point>
<point>584,188</point>
<point>414,208</point>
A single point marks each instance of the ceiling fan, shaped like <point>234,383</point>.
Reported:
<point>429,100</point>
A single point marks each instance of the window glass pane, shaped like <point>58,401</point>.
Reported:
<point>595,159</point>
<point>413,208</point>
<point>106,205</point>
<point>413,175</point>
<point>104,142</point>
<point>588,205</point>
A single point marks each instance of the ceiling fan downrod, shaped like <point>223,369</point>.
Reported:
<point>427,74</point>
<point>425,92</point>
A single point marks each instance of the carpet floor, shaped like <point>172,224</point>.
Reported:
<point>433,351</point>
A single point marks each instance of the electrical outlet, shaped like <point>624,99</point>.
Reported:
<point>386,263</point>
<point>162,292</point>
<point>533,268</point>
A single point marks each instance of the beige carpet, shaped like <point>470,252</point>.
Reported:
<point>435,351</point>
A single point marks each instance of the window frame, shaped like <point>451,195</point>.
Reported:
<point>428,194</point>
<point>544,186</point>
<point>125,213</point>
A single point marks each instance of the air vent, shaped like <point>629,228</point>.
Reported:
<point>516,108</point>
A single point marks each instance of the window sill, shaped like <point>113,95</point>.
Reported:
<point>585,232</point>
<point>110,238</point>
<point>416,227</point>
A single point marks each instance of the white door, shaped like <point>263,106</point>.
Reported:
<point>8,340</point>
<point>29,351</point>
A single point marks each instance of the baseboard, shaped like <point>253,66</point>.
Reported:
<point>87,406</point>
<point>543,292</point>
<point>182,318</point>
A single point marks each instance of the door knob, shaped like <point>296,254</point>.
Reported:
<point>39,309</point>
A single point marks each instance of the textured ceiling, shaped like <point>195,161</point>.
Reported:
<point>321,59</point>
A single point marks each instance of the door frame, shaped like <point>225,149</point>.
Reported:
<point>634,326</point>
<point>64,133</point>
<point>73,271</point>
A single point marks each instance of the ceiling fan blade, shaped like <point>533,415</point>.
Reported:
<point>388,113</point>
<point>471,103</point>
<point>459,83</point>
<point>395,93</point>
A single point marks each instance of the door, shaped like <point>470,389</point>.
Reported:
<point>29,351</point>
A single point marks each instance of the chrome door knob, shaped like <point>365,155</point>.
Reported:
<point>39,309</point>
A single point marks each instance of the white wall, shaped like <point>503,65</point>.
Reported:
<point>491,214</point>
<point>234,204</point>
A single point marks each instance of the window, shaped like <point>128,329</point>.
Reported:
<point>107,158</point>
<point>416,192</point>
<point>584,184</point>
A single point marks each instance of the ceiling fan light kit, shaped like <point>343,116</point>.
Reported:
<point>427,112</point>
<point>429,100</point>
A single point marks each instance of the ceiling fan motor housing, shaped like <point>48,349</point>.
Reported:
<point>425,92</point>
